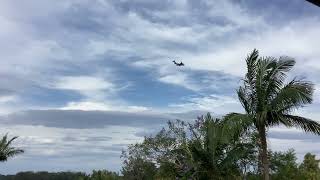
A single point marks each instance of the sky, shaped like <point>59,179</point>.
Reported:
<point>81,80</point>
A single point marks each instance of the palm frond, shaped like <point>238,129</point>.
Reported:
<point>263,67</point>
<point>237,123</point>
<point>10,141</point>
<point>6,150</point>
<point>13,152</point>
<point>245,100</point>
<point>277,75</point>
<point>251,61</point>
<point>293,95</point>
<point>306,124</point>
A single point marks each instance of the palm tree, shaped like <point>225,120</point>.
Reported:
<point>215,149</point>
<point>6,150</point>
<point>269,101</point>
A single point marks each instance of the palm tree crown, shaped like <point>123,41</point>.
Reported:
<point>6,150</point>
<point>270,100</point>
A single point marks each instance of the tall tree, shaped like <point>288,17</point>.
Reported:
<point>136,167</point>
<point>6,149</point>
<point>268,100</point>
<point>103,175</point>
<point>284,166</point>
<point>217,150</point>
<point>310,167</point>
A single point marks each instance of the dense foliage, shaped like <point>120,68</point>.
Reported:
<point>95,175</point>
<point>209,148</point>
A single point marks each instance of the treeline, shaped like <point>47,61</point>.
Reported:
<point>95,175</point>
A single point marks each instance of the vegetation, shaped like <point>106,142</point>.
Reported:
<point>310,167</point>
<point>6,149</point>
<point>207,150</point>
<point>95,175</point>
<point>284,165</point>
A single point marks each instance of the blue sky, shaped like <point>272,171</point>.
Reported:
<point>80,80</point>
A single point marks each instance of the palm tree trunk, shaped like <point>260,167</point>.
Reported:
<point>264,153</point>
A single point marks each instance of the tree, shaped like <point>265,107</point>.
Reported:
<point>216,150</point>
<point>283,165</point>
<point>269,101</point>
<point>137,168</point>
<point>209,148</point>
<point>104,175</point>
<point>43,175</point>
<point>159,150</point>
<point>6,149</point>
<point>310,167</point>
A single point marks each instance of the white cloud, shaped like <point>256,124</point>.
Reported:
<point>82,83</point>
<point>99,94</point>
<point>218,104</point>
<point>234,12</point>
<point>91,87</point>
<point>301,147</point>
<point>100,47</point>
<point>137,108</point>
<point>101,106</point>
<point>298,40</point>
<point>87,106</point>
<point>9,104</point>
<point>180,79</point>
<point>157,32</point>
<point>6,99</point>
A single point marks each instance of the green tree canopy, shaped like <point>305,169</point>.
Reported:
<point>208,148</point>
<point>283,165</point>
<point>310,167</point>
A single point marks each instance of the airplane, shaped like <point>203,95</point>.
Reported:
<point>178,64</point>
